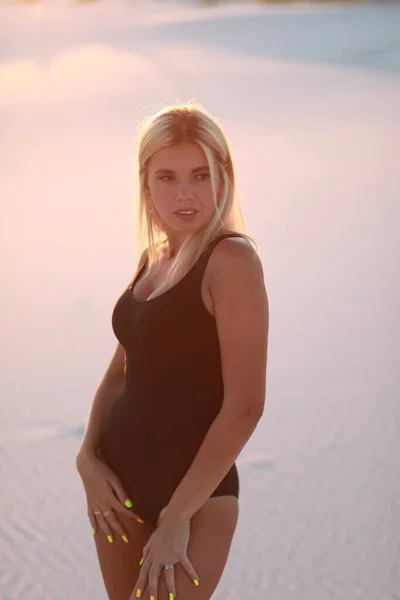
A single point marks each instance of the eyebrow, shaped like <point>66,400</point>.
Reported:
<point>168,171</point>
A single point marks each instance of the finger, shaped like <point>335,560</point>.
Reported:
<point>92,519</point>
<point>121,503</point>
<point>145,553</point>
<point>116,526</point>
<point>126,512</point>
<point>141,582</point>
<point>154,577</point>
<point>121,494</point>
<point>170,579</point>
<point>104,526</point>
<point>187,565</point>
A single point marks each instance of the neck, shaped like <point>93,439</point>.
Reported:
<point>174,243</point>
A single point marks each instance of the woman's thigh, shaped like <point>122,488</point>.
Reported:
<point>211,532</point>
<point>119,561</point>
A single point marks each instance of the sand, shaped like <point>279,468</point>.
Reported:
<point>309,96</point>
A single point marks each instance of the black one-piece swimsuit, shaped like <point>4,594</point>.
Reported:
<point>173,390</point>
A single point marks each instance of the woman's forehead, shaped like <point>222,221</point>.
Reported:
<point>186,154</point>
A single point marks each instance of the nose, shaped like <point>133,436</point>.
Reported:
<point>184,191</point>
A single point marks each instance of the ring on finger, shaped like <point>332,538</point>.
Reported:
<point>168,567</point>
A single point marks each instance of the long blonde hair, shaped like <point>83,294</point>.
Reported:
<point>171,126</point>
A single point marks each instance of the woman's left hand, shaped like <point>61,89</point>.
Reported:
<point>167,545</point>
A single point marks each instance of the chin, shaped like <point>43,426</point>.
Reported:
<point>194,225</point>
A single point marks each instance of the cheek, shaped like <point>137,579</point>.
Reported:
<point>160,190</point>
<point>206,192</point>
<point>153,185</point>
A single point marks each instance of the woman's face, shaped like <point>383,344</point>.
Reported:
<point>179,180</point>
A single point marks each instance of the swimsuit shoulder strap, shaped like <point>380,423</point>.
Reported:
<point>208,251</point>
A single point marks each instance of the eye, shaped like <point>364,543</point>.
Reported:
<point>203,175</point>
<point>165,177</point>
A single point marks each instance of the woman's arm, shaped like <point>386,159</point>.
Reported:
<point>107,392</point>
<point>242,318</point>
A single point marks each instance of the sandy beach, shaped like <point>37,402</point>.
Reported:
<point>309,97</point>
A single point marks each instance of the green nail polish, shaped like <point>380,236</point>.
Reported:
<point>141,561</point>
<point>128,503</point>
<point>109,537</point>
<point>93,530</point>
<point>196,582</point>
<point>171,596</point>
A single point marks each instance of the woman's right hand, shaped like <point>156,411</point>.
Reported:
<point>104,493</point>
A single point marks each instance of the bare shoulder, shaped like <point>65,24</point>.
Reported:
<point>240,308</point>
<point>234,258</point>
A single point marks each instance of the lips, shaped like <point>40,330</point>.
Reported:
<point>186,210</point>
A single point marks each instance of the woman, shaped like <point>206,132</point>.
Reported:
<point>186,386</point>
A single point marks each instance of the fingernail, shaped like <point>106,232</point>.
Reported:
<point>140,520</point>
<point>171,596</point>
<point>196,582</point>
<point>152,598</point>
<point>138,593</point>
<point>141,561</point>
<point>125,538</point>
<point>93,530</point>
<point>128,503</point>
<point>109,537</point>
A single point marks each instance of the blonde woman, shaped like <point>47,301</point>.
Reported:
<point>186,386</point>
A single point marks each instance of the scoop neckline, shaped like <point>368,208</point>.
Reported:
<point>140,272</point>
